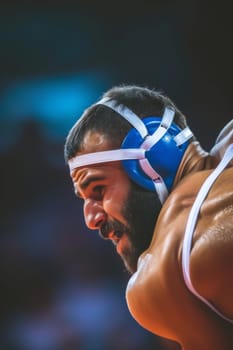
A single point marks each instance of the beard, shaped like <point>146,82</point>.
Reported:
<point>140,211</point>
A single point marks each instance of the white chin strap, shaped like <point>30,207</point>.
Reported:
<point>135,153</point>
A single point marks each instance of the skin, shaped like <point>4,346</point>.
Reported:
<point>96,210</point>
<point>158,286</point>
<point>156,293</point>
<point>111,204</point>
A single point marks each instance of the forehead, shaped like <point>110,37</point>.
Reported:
<point>94,141</point>
<point>110,174</point>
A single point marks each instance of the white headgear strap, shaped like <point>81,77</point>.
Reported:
<point>134,153</point>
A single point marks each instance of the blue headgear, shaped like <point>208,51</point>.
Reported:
<point>151,151</point>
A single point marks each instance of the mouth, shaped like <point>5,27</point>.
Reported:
<point>115,237</point>
<point>115,232</point>
<point>119,240</point>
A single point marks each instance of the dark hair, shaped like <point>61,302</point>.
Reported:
<point>141,100</point>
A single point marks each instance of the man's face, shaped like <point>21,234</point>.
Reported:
<point>120,210</point>
<point>141,210</point>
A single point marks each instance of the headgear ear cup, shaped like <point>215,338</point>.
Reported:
<point>151,152</point>
<point>164,156</point>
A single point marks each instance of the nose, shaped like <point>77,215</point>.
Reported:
<point>94,214</point>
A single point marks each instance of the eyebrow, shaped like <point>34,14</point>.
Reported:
<point>83,185</point>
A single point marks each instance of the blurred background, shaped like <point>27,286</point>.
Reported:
<point>62,287</point>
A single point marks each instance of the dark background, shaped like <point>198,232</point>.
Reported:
<point>61,286</point>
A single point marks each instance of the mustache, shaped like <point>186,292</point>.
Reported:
<point>112,226</point>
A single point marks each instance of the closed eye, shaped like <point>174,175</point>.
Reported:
<point>98,190</point>
<point>88,187</point>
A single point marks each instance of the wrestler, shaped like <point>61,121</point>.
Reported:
<point>167,205</point>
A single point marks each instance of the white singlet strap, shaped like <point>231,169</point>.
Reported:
<point>191,223</point>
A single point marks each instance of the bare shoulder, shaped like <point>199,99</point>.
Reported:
<point>211,262</point>
<point>157,289</point>
<point>149,290</point>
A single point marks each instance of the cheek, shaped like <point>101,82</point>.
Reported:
<point>114,206</point>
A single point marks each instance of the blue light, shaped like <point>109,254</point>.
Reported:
<point>55,102</point>
<point>53,98</point>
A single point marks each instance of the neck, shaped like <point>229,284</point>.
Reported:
<point>195,159</point>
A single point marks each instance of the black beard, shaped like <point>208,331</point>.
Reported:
<point>140,210</point>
